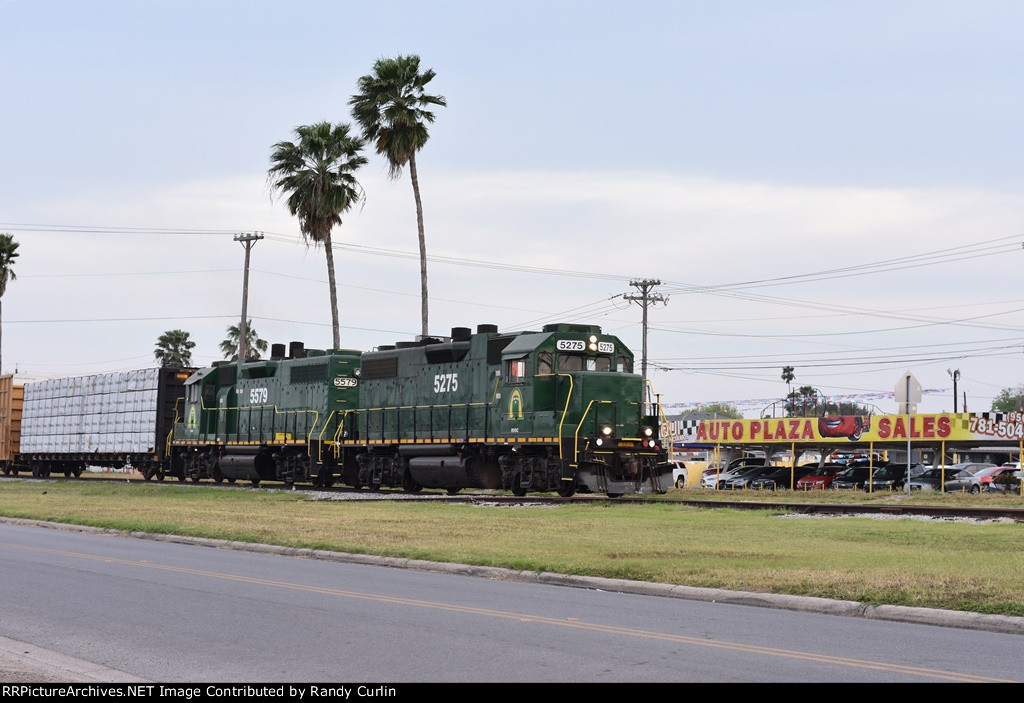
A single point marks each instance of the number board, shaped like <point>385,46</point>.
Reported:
<point>580,345</point>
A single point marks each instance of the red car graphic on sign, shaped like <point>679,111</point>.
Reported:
<point>849,426</point>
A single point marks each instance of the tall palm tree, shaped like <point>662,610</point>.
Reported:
<point>391,109</point>
<point>788,376</point>
<point>254,346</point>
<point>8,253</point>
<point>315,173</point>
<point>174,348</point>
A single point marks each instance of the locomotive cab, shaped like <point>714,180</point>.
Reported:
<point>576,385</point>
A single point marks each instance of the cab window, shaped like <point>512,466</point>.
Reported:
<point>570,362</point>
<point>517,371</point>
<point>544,363</point>
<point>599,363</point>
<point>623,365</point>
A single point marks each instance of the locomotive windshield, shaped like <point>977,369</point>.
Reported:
<point>579,362</point>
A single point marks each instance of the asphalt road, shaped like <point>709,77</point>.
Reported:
<point>113,608</point>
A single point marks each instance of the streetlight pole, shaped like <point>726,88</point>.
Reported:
<point>248,241</point>
<point>955,374</point>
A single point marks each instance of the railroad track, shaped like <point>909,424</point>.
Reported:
<point>341,493</point>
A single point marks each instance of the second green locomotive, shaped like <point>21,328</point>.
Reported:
<point>556,410</point>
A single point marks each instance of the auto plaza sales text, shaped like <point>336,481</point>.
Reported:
<point>803,429</point>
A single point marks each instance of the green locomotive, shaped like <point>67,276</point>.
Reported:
<point>555,410</point>
<point>266,420</point>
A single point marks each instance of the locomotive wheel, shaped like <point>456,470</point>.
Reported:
<point>77,472</point>
<point>159,475</point>
<point>409,485</point>
<point>231,479</point>
<point>67,473</point>
<point>218,478</point>
<point>147,474</point>
<point>195,478</point>
<point>181,478</point>
<point>517,487</point>
<point>452,491</point>
<point>374,487</point>
<point>568,490</point>
<point>614,495</point>
<point>255,482</point>
<point>7,471</point>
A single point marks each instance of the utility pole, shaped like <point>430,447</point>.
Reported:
<point>248,241</point>
<point>645,298</point>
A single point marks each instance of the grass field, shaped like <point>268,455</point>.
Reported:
<point>962,566</point>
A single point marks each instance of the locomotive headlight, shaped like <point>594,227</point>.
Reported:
<point>593,343</point>
<point>606,430</point>
<point>648,432</point>
<point>599,441</point>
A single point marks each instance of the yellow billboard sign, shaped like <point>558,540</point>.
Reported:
<point>955,427</point>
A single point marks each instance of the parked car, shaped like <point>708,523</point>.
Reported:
<point>1007,480</point>
<point>894,477</point>
<point>948,479</point>
<point>724,468</point>
<point>987,476</point>
<point>782,476</point>
<point>716,480</point>
<point>852,478</point>
<point>821,478</point>
<point>743,479</point>
<point>680,475</point>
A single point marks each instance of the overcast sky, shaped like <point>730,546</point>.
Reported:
<point>831,186</point>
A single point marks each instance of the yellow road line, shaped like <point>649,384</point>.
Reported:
<point>526,618</point>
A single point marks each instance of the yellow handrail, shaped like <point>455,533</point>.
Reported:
<point>576,443</point>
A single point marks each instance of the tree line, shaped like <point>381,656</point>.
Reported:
<point>174,347</point>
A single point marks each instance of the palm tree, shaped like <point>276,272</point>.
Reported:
<point>254,346</point>
<point>391,109</point>
<point>8,253</point>
<point>174,348</point>
<point>316,174</point>
<point>788,376</point>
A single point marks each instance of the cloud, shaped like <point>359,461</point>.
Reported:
<point>678,228</point>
